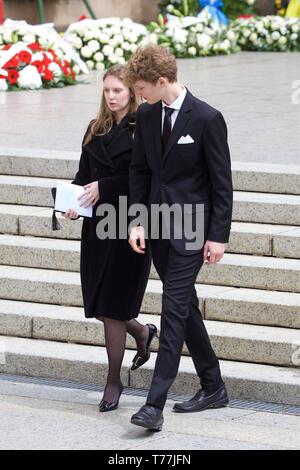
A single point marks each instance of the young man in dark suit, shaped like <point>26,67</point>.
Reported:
<point>180,156</point>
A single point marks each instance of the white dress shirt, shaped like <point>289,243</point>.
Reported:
<point>176,105</point>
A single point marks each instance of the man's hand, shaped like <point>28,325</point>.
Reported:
<point>137,234</point>
<point>90,195</point>
<point>213,252</point>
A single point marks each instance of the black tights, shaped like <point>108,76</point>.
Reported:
<point>115,339</point>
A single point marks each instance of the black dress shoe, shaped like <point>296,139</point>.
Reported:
<point>148,417</point>
<point>203,400</point>
<point>138,361</point>
<point>105,406</point>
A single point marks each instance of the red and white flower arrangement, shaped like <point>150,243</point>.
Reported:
<point>24,67</point>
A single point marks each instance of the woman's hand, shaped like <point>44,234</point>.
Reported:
<point>70,214</point>
<point>90,196</point>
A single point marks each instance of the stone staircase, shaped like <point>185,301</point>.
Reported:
<point>250,300</point>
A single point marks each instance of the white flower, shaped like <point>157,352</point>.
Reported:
<point>55,68</point>
<point>97,33</point>
<point>294,37</point>
<point>78,43</point>
<point>100,66</point>
<point>107,31</point>
<point>108,50</point>
<point>199,28</point>
<point>275,26</point>
<point>250,2</point>
<point>7,35</point>
<point>295,28</point>
<point>118,39</point>
<point>30,78</point>
<point>246,33</point>
<point>133,48</point>
<point>119,52</point>
<point>231,36</point>
<point>43,42</point>
<point>104,38</point>
<point>3,84</point>
<point>115,29</point>
<point>225,45</point>
<point>203,40</point>
<point>75,40</point>
<point>192,50</point>
<point>38,56</point>
<point>93,45</point>
<point>90,64</point>
<point>180,35</point>
<point>99,57</point>
<point>59,53</point>
<point>113,58</point>
<point>253,37</point>
<point>275,36</point>
<point>86,52</point>
<point>132,37</point>
<point>76,69</point>
<point>282,40</point>
<point>29,38</point>
<point>51,57</point>
<point>126,46</point>
<point>259,26</point>
<point>88,35</point>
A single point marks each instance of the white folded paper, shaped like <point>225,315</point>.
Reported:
<point>67,198</point>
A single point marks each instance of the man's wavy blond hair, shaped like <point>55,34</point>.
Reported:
<point>149,63</point>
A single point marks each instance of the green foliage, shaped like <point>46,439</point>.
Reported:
<point>235,8</point>
<point>181,7</point>
<point>232,8</point>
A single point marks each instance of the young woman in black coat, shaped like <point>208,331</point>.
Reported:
<point>113,276</point>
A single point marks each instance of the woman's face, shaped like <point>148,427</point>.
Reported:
<point>116,94</point>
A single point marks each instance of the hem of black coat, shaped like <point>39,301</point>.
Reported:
<point>112,317</point>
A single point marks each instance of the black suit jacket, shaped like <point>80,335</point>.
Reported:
<point>195,173</point>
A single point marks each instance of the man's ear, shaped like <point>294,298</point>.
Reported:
<point>162,81</point>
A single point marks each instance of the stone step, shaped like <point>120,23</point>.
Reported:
<point>216,302</point>
<point>38,162</point>
<point>234,270</point>
<point>26,190</point>
<point>247,238</point>
<point>250,176</point>
<point>281,209</point>
<point>266,177</point>
<point>235,342</point>
<point>88,364</point>
<point>266,208</point>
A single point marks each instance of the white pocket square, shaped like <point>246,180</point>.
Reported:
<point>186,140</point>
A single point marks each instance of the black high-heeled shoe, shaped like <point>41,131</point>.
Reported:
<point>138,360</point>
<point>105,406</point>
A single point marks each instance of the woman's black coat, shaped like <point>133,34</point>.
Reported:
<point>113,276</point>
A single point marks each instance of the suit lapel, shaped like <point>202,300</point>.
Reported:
<point>182,120</point>
<point>156,130</point>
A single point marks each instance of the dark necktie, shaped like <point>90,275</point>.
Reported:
<point>167,128</point>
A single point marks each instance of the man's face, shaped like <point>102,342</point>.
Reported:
<point>148,91</point>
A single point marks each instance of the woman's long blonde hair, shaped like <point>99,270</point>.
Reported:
<point>105,118</point>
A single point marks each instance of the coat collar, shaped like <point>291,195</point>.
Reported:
<point>104,153</point>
